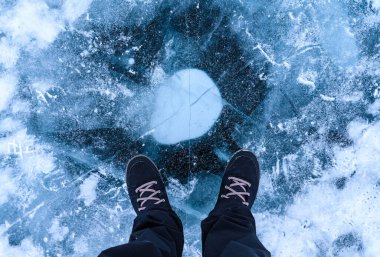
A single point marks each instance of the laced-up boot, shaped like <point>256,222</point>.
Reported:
<point>145,187</point>
<point>240,181</point>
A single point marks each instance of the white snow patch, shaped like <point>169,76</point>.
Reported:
<point>306,228</point>
<point>20,106</point>
<point>307,78</point>
<point>327,98</point>
<point>356,128</point>
<point>73,9</point>
<point>131,61</point>
<point>42,86</point>
<point>38,162</point>
<point>57,232</point>
<point>8,54</point>
<point>374,108</point>
<point>8,186</point>
<point>41,89</point>
<point>7,88</point>
<point>88,189</point>
<point>34,157</point>
<point>367,148</point>
<point>81,246</point>
<point>9,124</point>
<point>353,98</point>
<point>31,23</point>
<point>376,4</point>
<point>26,248</point>
<point>186,107</point>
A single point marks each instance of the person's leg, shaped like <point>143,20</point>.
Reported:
<point>136,249</point>
<point>230,228</point>
<point>157,231</point>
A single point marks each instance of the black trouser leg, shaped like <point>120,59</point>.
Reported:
<point>156,233</point>
<point>231,232</point>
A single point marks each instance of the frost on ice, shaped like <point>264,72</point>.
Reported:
<point>88,190</point>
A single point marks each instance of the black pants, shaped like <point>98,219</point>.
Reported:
<point>225,233</point>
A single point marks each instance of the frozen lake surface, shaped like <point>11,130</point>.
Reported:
<point>85,85</point>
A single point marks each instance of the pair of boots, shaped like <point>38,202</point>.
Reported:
<point>228,231</point>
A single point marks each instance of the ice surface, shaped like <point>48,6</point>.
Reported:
<point>376,3</point>
<point>84,85</point>
<point>88,190</point>
<point>345,195</point>
<point>8,87</point>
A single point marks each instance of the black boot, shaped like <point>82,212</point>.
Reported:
<point>157,230</point>
<point>145,187</point>
<point>230,228</point>
<point>240,181</point>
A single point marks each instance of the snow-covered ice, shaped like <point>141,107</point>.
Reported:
<point>84,83</point>
<point>186,106</point>
<point>88,190</point>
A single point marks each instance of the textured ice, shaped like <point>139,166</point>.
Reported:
<point>8,87</point>
<point>298,82</point>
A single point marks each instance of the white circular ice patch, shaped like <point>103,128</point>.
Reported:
<point>186,106</point>
<point>131,61</point>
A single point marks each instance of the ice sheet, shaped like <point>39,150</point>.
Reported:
<point>295,81</point>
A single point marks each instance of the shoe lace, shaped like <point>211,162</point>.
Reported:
<point>146,188</point>
<point>240,183</point>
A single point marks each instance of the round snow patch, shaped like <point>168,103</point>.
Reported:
<point>186,107</point>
